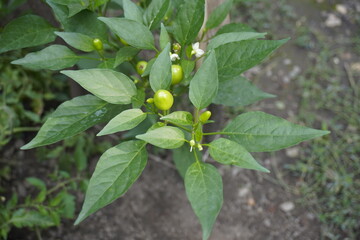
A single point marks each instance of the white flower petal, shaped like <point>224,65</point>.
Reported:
<point>195,46</point>
<point>199,53</point>
<point>174,56</point>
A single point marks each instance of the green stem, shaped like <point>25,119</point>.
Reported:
<point>62,184</point>
<point>38,234</point>
<point>196,156</point>
<point>25,129</point>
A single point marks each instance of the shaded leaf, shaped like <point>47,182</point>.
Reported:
<point>134,33</point>
<point>125,54</point>
<point>26,31</point>
<point>183,159</point>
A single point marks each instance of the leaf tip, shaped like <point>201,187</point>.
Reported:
<point>26,146</point>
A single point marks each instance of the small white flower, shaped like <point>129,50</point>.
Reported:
<point>174,57</point>
<point>196,50</point>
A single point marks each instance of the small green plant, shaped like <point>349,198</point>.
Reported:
<point>24,96</point>
<point>119,99</point>
<point>53,200</point>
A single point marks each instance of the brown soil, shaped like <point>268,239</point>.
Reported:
<point>156,207</point>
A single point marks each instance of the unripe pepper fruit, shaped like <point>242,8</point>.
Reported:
<point>163,99</point>
<point>98,45</point>
<point>140,67</point>
<point>177,74</point>
<point>205,116</point>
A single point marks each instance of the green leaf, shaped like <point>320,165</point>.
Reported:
<point>36,182</point>
<point>77,40</point>
<point>111,86</point>
<point>234,27</point>
<point>139,99</point>
<point>179,117</point>
<point>86,22</point>
<point>118,168</point>
<point>219,14</point>
<point>237,57</point>
<point>107,64</point>
<point>125,54</point>
<point>188,21</point>
<point>72,117</point>
<point>132,11</point>
<point>68,205</point>
<point>204,190</point>
<point>262,132</point>
<point>98,3</point>
<point>155,12</point>
<point>164,37</point>
<point>164,137</point>
<point>148,67</point>
<point>29,218</point>
<point>188,67</point>
<point>61,12</point>
<point>73,6</point>
<point>239,91</point>
<point>134,33</point>
<point>160,74</point>
<point>228,152</point>
<point>233,37</point>
<point>54,57</point>
<point>183,159</point>
<point>126,120</point>
<point>204,85</point>
<point>80,157</point>
<point>26,31</point>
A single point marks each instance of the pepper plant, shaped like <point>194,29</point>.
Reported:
<point>145,101</point>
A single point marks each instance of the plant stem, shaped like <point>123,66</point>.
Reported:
<point>196,156</point>
<point>25,129</point>
<point>60,185</point>
<point>38,234</point>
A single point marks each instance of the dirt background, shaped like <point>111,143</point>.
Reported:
<point>256,206</point>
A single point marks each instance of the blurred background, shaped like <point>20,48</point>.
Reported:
<point>313,191</point>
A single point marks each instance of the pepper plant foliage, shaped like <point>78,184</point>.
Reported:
<point>115,43</point>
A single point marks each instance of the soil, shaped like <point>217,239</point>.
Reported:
<point>257,206</point>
